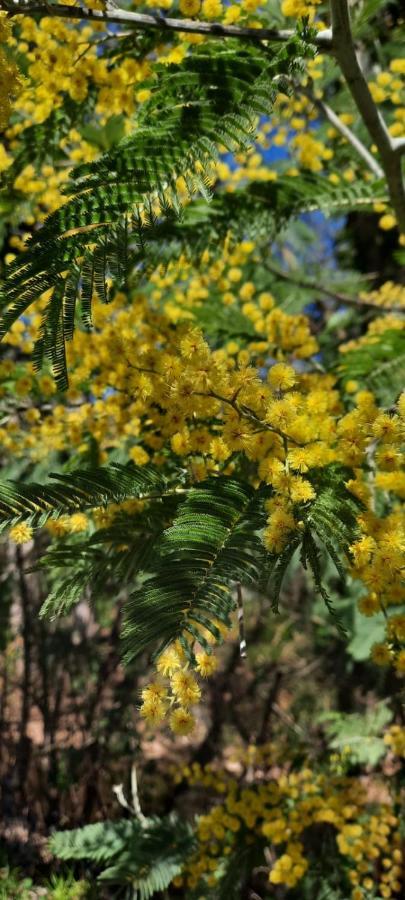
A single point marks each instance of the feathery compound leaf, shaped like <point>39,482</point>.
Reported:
<point>99,842</point>
<point>146,854</point>
<point>310,557</point>
<point>110,558</point>
<point>333,514</point>
<point>80,490</point>
<point>332,519</point>
<point>212,543</point>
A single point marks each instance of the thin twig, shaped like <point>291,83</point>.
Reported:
<point>145,22</point>
<point>136,803</point>
<point>346,132</point>
<point>334,295</point>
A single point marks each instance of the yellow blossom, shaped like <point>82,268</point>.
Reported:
<point>21,533</point>
<point>182,722</point>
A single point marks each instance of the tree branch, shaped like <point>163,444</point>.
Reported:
<point>145,22</point>
<point>346,132</point>
<point>334,295</point>
<point>345,53</point>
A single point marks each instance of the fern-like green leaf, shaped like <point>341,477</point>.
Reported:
<point>146,854</point>
<point>78,491</point>
<point>212,543</point>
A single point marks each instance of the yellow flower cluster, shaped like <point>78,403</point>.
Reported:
<point>298,8</point>
<point>395,740</point>
<point>182,691</point>
<point>389,322</point>
<point>283,811</point>
<point>10,78</point>
<point>63,59</point>
<point>158,389</point>
<point>389,294</point>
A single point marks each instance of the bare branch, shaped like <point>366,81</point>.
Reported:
<point>333,295</point>
<point>345,53</point>
<point>346,132</point>
<point>145,22</point>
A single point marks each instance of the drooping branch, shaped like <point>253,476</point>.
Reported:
<point>390,152</point>
<point>146,22</point>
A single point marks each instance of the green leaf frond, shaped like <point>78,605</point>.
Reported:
<point>213,542</point>
<point>76,492</point>
<point>146,854</point>
<point>379,364</point>
<point>333,514</point>
<point>331,521</point>
<point>111,558</point>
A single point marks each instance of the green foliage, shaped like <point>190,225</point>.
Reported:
<point>365,633</point>
<point>329,520</point>
<point>145,855</point>
<point>319,887</point>
<point>212,543</point>
<point>112,555</point>
<point>12,885</point>
<point>80,490</point>
<point>357,736</point>
<point>233,872</point>
<point>378,365</point>
<point>66,887</point>
<point>190,545</point>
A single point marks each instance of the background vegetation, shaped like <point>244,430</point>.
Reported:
<point>202,621</point>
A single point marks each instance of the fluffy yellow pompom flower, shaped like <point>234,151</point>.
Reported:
<point>138,455</point>
<point>395,739</point>
<point>300,490</point>
<point>10,78</point>
<point>369,605</point>
<point>277,535</point>
<point>169,661</point>
<point>154,706</point>
<point>21,533</point>
<point>387,222</point>
<point>185,688</point>
<point>154,691</point>
<point>206,664</point>
<point>190,7</point>
<point>281,377</point>
<point>182,721</point>
<point>153,711</point>
<point>212,9</point>
<point>5,159</point>
<point>78,522</point>
<point>381,654</point>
